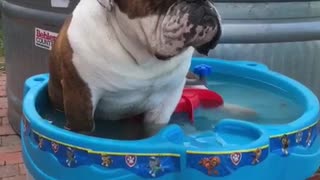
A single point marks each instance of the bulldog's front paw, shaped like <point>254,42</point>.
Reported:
<point>88,131</point>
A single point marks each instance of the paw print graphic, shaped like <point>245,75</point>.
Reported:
<point>131,160</point>
<point>236,158</point>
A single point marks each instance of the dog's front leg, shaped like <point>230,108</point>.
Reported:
<point>79,103</point>
<point>78,109</point>
<point>160,116</point>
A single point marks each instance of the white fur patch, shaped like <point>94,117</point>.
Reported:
<point>118,69</point>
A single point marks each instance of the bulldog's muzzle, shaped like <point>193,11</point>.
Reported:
<point>206,29</point>
<point>191,23</point>
<point>201,12</point>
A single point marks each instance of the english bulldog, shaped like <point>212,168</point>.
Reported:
<point>116,59</point>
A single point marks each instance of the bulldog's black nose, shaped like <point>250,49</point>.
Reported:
<point>203,14</point>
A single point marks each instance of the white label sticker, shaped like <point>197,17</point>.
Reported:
<point>60,3</point>
<point>44,39</point>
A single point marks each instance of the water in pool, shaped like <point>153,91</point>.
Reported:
<point>270,104</point>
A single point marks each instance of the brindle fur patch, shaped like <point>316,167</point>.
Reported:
<point>67,91</point>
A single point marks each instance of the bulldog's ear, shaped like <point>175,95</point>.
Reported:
<point>108,4</point>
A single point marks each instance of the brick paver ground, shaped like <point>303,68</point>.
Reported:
<point>11,163</point>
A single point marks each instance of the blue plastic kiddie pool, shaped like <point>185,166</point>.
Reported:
<point>281,143</point>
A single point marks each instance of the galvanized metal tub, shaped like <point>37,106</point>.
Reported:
<point>283,35</point>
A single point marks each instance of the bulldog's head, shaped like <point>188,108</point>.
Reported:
<point>168,27</point>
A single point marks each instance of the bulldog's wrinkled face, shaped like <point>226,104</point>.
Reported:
<point>168,27</point>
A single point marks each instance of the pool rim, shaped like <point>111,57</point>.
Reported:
<point>44,128</point>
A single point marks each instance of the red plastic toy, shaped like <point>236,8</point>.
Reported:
<point>192,98</point>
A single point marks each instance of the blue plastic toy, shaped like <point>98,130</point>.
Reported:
<point>203,70</point>
<point>232,150</point>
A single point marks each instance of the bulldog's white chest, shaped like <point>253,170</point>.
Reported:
<point>124,103</point>
<point>131,90</point>
<point>119,85</point>
<point>124,94</point>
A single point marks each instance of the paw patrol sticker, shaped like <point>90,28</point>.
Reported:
<point>216,164</point>
<point>211,165</point>
<point>283,144</point>
<point>236,158</point>
<point>256,156</point>
<point>155,166</point>
<point>144,165</point>
<point>71,158</point>
<point>40,143</point>
<point>299,137</point>
<point>55,147</point>
<point>224,163</point>
<point>309,137</point>
<point>106,161</point>
<point>130,160</point>
<point>26,126</point>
